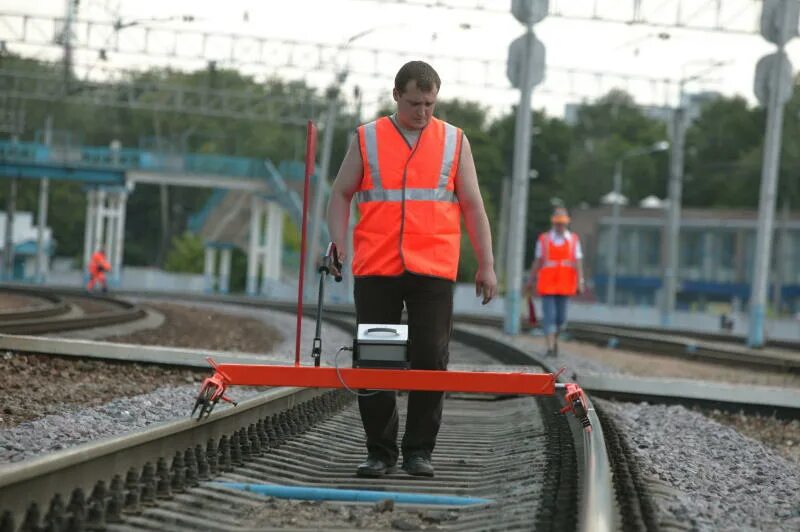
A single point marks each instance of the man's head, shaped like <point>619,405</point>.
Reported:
<point>415,88</point>
<point>560,219</point>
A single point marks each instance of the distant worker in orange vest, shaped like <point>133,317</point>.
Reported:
<point>413,177</point>
<point>98,266</point>
<point>557,273</point>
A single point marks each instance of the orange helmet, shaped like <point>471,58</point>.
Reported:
<point>560,216</point>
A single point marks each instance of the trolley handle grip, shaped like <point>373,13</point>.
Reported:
<point>331,257</point>
<point>383,329</point>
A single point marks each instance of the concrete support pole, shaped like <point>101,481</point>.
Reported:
<point>519,204</point>
<point>613,246</point>
<point>100,215</point>
<point>781,271</point>
<point>110,229</point>
<point>91,225</point>
<point>224,270</point>
<point>709,256</point>
<point>256,225</point>
<point>8,249</point>
<point>274,242</point>
<point>42,261</point>
<point>208,269</point>
<point>766,208</point>
<point>671,266</point>
<point>119,238</point>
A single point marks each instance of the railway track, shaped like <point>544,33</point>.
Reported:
<point>784,355</point>
<point>697,346</point>
<point>294,462</point>
<point>64,312</point>
<point>685,344</point>
<point>538,467</point>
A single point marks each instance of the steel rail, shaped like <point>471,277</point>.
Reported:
<point>36,480</point>
<point>57,306</point>
<point>39,324</point>
<point>687,347</point>
<point>726,338</point>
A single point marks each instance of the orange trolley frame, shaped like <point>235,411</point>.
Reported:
<point>513,383</point>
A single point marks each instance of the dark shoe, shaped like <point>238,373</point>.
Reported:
<point>555,350</point>
<point>550,353</point>
<point>373,467</point>
<point>418,465</point>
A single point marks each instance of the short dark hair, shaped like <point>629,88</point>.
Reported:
<point>426,77</point>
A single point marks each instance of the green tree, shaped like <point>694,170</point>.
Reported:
<point>186,254</point>
<point>723,151</point>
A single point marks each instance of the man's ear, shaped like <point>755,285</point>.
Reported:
<point>396,95</point>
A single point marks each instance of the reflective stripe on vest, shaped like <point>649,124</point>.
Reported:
<point>409,211</point>
<point>378,193</point>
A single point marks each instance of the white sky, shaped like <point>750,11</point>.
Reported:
<point>597,46</point>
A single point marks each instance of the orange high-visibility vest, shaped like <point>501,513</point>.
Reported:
<point>410,219</point>
<point>98,263</point>
<point>558,274</point>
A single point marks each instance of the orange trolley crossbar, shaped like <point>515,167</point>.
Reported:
<point>516,383</point>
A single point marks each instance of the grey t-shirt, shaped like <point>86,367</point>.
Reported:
<point>411,135</point>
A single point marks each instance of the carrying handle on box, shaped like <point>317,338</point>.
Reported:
<point>382,329</point>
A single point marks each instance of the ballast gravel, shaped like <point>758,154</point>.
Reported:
<point>124,414</point>
<point>705,475</point>
<point>73,425</point>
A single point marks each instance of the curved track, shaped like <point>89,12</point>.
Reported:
<point>540,468</point>
<point>51,305</point>
<point>65,313</point>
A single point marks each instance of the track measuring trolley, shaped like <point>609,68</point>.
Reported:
<point>380,360</point>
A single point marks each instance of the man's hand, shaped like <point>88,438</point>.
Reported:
<point>337,265</point>
<point>581,286</point>
<point>486,284</point>
<point>529,284</point>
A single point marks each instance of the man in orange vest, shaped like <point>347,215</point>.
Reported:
<point>98,266</point>
<point>413,177</point>
<point>557,273</point>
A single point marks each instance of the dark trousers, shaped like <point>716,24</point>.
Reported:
<point>429,303</point>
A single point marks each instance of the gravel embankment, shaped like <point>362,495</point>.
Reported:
<point>14,302</point>
<point>708,476</point>
<point>206,328</point>
<point>782,434</point>
<point>87,418</point>
<point>91,306</point>
<point>32,386</point>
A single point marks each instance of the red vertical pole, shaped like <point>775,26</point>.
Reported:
<point>311,151</point>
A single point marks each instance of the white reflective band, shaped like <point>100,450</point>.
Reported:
<point>412,194</point>
<point>554,263</point>
<point>450,138</point>
<point>371,144</point>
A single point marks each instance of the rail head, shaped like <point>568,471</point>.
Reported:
<point>598,511</point>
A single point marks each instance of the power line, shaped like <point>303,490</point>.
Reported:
<point>718,16</point>
<point>242,51</point>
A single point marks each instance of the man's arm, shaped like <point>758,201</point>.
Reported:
<point>344,186</point>
<point>476,222</point>
<point>581,280</point>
